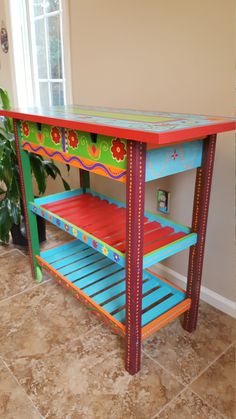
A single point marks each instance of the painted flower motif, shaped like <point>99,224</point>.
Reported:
<point>50,217</point>
<point>174,155</point>
<point>85,238</point>
<point>66,227</point>
<point>56,135</point>
<point>105,251</point>
<point>94,151</point>
<point>116,257</point>
<point>118,150</point>
<point>74,232</point>
<point>72,139</point>
<point>35,210</point>
<point>43,214</point>
<point>25,128</point>
<point>94,244</point>
<point>58,223</point>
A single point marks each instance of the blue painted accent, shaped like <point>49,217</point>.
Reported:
<point>59,250</point>
<point>58,196</point>
<point>108,269</point>
<point>110,293</point>
<point>161,308</point>
<point>64,261</point>
<point>120,300</point>
<point>155,296</point>
<point>178,158</point>
<point>81,265</point>
<point>104,281</point>
<point>169,250</point>
<point>74,276</point>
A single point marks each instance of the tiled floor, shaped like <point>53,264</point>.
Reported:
<point>58,361</point>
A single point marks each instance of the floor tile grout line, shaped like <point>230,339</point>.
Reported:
<point>161,366</point>
<point>22,388</point>
<point>26,290</point>
<point>211,363</point>
<point>6,252</point>
<point>205,369</point>
<point>198,375</point>
<point>191,382</point>
<point>169,402</point>
<point>206,402</point>
<point>21,252</point>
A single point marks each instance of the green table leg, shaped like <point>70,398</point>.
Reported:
<point>27,196</point>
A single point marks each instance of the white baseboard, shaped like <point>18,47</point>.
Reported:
<point>207,295</point>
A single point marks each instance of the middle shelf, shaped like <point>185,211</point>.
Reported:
<point>100,222</point>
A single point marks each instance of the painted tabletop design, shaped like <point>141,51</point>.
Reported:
<point>153,127</point>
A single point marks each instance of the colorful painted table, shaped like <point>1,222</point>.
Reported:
<point>106,264</point>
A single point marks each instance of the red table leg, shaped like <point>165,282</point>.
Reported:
<point>135,190</point>
<point>199,224</point>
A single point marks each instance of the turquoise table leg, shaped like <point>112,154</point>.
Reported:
<point>27,196</point>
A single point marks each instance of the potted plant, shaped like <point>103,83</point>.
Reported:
<point>11,206</point>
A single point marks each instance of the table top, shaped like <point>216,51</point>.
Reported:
<point>151,127</point>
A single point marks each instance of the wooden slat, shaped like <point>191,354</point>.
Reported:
<point>69,259</point>
<point>87,271</point>
<point>108,268</point>
<point>103,282</point>
<point>99,286</point>
<point>161,308</point>
<point>162,242</point>
<point>82,265</point>
<point>104,220</point>
<point>47,254</point>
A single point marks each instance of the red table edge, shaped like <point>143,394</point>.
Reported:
<point>163,138</point>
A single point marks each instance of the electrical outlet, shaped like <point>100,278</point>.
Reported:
<point>163,201</point>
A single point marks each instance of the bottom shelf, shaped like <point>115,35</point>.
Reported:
<point>100,284</point>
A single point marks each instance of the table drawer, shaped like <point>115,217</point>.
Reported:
<point>106,155</point>
<point>101,154</point>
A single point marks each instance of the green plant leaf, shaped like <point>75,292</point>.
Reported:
<point>5,224</point>
<point>14,192</point>
<point>65,184</point>
<point>3,133</point>
<point>14,212</point>
<point>50,169</point>
<point>5,99</point>
<point>6,173</point>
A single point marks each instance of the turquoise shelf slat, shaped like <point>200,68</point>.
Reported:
<point>104,282</point>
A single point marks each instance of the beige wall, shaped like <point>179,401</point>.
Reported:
<point>161,55</point>
<point>172,56</point>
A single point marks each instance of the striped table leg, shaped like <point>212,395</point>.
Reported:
<point>199,225</point>
<point>27,195</point>
<point>135,189</point>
